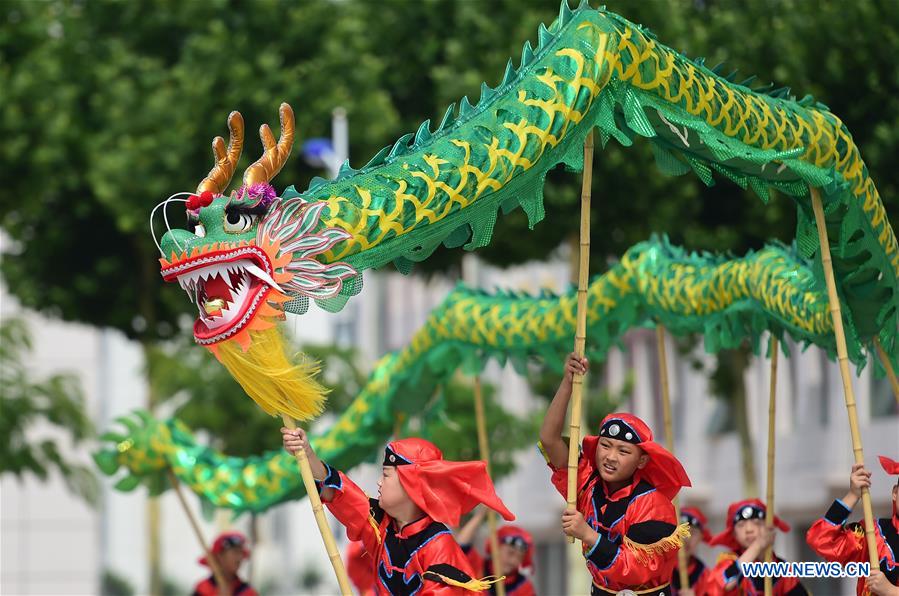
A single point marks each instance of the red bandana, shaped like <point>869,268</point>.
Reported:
<point>225,541</point>
<point>513,534</point>
<point>747,509</point>
<point>890,466</point>
<point>695,517</point>
<point>444,490</point>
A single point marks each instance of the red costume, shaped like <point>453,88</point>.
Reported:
<point>726,577</point>
<point>421,558</point>
<point>835,540</point>
<point>360,567</point>
<point>209,587</point>
<point>517,583</point>
<point>638,532</point>
<point>696,569</point>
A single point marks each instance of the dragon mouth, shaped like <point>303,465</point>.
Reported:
<point>228,288</point>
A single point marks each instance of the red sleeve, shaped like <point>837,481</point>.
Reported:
<point>789,586</point>
<point>559,476</point>
<point>352,508</point>
<point>721,578</point>
<point>526,588</point>
<point>475,560</point>
<point>647,554</point>
<point>443,557</point>
<point>833,540</point>
<point>205,588</point>
<point>249,591</point>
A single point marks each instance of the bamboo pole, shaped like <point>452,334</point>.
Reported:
<point>769,487</point>
<point>843,359</point>
<point>484,448</point>
<point>343,579</point>
<point>885,361</point>
<point>669,440</point>
<point>398,425</point>
<point>224,588</point>
<point>580,336</point>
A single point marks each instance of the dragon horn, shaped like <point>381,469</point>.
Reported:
<point>275,155</point>
<point>225,159</point>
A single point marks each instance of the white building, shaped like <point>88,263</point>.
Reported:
<point>53,544</point>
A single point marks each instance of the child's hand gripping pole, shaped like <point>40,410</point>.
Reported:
<point>343,579</point>
<point>580,335</point>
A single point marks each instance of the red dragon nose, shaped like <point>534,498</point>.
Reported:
<point>197,201</point>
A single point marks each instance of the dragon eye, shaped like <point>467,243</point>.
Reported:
<point>239,223</point>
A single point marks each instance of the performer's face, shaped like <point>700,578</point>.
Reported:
<point>510,558</point>
<point>391,493</point>
<point>694,540</point>
<point>231,558</point>
<point>746,531</point>
<point>617,461</point>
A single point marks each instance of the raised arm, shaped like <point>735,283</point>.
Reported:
<point>554,421</point>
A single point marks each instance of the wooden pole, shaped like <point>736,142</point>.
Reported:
<point>843,359</point>
<point>484,448</point>
<point>580,336</point>
<point>885,361</point>
<point>398,425</point>
<point>324,529</point>
<point>224,588</point>
<point>769,497</point>
<point>669,440</point>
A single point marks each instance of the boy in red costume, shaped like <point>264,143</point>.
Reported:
<point>405,528</point>
<point>626,482</point>
<point>837,541</point>
<point>699,533</point>
<point>516,552</point>
<point>747,537</point>
<point>230,550</point>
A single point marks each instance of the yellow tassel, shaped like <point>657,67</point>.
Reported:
<point>266,374</point>
<point>726,556</point>
<point>376,527</point>
<point>475,585</point>
<point>542,451</point>
<point>673,542</point>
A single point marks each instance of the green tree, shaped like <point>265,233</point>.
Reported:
<point>52,407</point>
<point>109,108</point>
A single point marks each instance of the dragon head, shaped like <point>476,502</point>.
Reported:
<point>247,253</point>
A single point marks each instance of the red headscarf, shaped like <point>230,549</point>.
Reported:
<point>745,509</point>
<point>696,519</point>
<point>890,466</point>
<point>663,470</point>
<point>509,533</point>
<point>444,490</point>
<point>227,540</point>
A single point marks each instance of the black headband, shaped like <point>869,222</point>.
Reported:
<point>392,459</point>
<point>516,541</point>
<point>690,519</point>
<point>619,429</point>
<point>749,512</point>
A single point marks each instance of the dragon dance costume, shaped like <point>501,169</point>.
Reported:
<point>421,557</point>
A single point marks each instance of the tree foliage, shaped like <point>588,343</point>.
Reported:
<point>41,418</point>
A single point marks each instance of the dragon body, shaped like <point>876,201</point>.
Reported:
<point>447,184</point>
<point>252,255</point>
<point>728,301</point>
